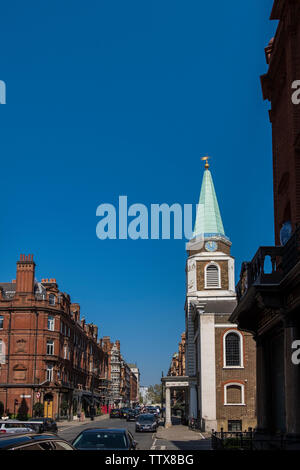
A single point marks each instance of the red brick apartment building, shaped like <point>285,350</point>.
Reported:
<point>268,292</point>
<point>48,355</point>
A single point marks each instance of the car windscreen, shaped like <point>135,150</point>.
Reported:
<point>101,440</point>
<point>146,418</point>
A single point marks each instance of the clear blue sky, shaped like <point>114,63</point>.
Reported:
<point>109,98</point>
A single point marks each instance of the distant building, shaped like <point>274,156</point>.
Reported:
<point>144,394</point>
<point>135,371</point>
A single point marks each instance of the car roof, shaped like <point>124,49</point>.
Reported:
<point>7,440</point>
<point>119,430</point>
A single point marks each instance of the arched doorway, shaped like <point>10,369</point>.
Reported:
<point>48,405</point>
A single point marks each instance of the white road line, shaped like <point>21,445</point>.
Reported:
<point>163,447</point>
<point>202,437</point>
<point>153,445</point>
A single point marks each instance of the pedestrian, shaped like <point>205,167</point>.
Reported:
<point>78,415</point>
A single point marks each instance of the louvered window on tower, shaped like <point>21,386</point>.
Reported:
<point>212,277</point>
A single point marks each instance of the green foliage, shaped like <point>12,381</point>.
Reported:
<point>64,407</point>
<point>154,393</point>
<point>38,410</point>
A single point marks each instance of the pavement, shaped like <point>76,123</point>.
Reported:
<point>179,437</point>
<point>75,422</point>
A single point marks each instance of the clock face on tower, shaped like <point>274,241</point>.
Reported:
<point>211,246</point>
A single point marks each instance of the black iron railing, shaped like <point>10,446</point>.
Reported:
<point>281,260</point>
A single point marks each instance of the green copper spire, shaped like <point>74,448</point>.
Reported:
<point>208,219</point>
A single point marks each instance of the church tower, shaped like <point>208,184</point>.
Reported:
<point>215,351</point>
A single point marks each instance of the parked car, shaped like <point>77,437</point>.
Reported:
<point>146,422</point>
<point>47,424</point>
<point>132,415</point>
<point>13,426</point>
<point>104,439</point>
<point>114,413</point>
<point>33,441</point>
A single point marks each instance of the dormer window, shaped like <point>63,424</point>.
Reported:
<point>212,276</point>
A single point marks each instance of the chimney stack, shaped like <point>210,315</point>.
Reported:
<point>25,274</point>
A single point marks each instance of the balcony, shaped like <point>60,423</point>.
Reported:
<point>263,281</point>
<point>282,259</point>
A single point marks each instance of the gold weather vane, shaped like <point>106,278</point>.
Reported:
<point>206,162</point>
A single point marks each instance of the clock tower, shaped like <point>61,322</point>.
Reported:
<point>210,299</point>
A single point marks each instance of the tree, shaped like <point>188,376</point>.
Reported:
<point>64,408</point>
<point>154,393</point>
<point>38,410</point>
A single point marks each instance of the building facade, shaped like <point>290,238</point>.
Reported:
<point>220,359</point>
<point>135,389</point>
<point>49,356</point>
<point>269,286</point>
<point>122,385</point>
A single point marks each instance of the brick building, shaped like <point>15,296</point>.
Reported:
<point>220,359</point>
<point>48,354</point>
<point>269,286</point>
<point>177,366</point>
<point>123,385</point>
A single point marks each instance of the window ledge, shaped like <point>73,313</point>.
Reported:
<point>234,404</point>
<point>233,367</point>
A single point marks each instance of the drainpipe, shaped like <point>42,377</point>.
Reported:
<point>8,358</point>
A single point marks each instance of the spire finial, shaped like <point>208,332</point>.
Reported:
<point>206,162</point>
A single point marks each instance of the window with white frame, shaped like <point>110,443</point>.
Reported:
<point>1,322</point>
<point>52,299</point>
<point>233,349</point>
<point>212,276</point>
<point>50,347</point>
<point>49,372</point>
<point>234,394</point>
<point>50,323</point>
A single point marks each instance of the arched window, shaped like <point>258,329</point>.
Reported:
<point>233,349</point>
<point>234,394</point>
<point>52,299</point>
<point>212,276</point>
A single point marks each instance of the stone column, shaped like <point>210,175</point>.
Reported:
<point>193,402</point>
<point>168,421</point>
<point>263,403</point>
<point>292,377</point>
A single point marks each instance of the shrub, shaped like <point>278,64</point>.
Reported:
<point>38,410</point>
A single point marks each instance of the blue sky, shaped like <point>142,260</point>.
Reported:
<point>109,98</point>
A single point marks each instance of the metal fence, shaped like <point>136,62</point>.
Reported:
<point>249,441</point>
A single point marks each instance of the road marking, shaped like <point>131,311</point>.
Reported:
<point>202,437</point>
<point>163,447</point>
<point>153,445</point>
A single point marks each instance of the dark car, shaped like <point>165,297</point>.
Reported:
<point>146,422</point>
<point>132,415</point>
<point>32,441</point>
<point>124,412</point>
<point>114,413</point>
<point>47,424</point>
<point>104,439</point>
